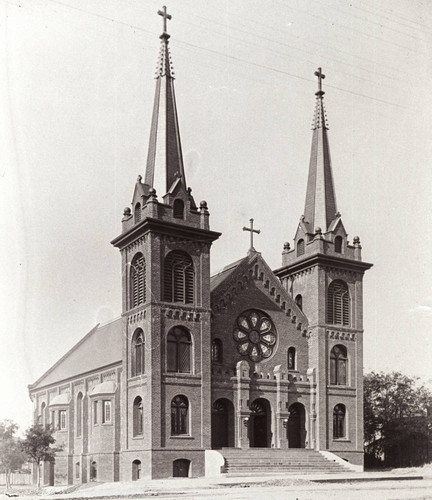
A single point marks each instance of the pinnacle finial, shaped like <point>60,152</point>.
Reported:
<point>321,77</point>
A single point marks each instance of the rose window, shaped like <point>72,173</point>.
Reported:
<point>255,335</point>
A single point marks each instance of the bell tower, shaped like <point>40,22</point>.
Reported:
<point>165,249</point>
<point>324,275</point>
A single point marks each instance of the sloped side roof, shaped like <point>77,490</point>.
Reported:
<point>102,346</point>
<point>220,276</point>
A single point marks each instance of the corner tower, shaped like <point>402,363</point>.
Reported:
<point>324,274</point>
<point>165,248</point>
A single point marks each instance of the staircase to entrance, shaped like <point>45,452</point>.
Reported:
<point>270,461</point>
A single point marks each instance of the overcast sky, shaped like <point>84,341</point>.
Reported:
<point>76,96</point>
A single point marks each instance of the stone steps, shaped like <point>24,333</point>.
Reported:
<point>269,461</point>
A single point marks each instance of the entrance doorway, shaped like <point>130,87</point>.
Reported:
<point>259,424</point>
<point>222,423</point>
<point>296,426</point>
<point>93,471</point>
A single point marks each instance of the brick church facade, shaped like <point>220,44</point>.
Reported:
<point>248,358</point>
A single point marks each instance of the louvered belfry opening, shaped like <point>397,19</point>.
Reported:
<point>137,280</point>
<point>178,278</point>
<point>137,212</point>
<point>178,209</point>
<point>300,248</point>
<point>338,303</point>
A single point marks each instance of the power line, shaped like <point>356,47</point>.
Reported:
<point>231,57</point>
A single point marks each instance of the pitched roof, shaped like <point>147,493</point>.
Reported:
<point>102,346</point>
<point>220,276</point>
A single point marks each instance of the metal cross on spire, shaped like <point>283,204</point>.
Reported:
<point>321,77</point>
<point>252,231</point>
<point>165,16</point>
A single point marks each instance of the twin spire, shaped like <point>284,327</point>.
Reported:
<point>320,206</point>
<point>165,158</point>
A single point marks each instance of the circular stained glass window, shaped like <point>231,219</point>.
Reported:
<point>255,335</point>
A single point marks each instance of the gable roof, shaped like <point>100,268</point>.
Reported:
<point>220,276</point>
<point>224,285</point>
<point>102,346</point>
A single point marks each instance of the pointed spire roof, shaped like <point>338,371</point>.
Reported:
<point>320,206</point>
<point>165,159</point>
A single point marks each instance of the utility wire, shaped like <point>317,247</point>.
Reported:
<point>238,59</point>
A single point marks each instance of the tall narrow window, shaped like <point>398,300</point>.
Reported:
<point>95,412</point>
<point>179,347</point>
<point>178,278</point>
<point>43,414</point>
<point>138,353</point>
<point>338,303</point>
<point>338,365</point>
<point>178,209</point>
<point>338,244</point>
<point>299,301</point>
<point>79,414</point>
<point>77,470</point>
<point>138,417</point>
<point>179,415</point>
<point>137,212</point>
<point>339,421</point>
<point>137,280</point>
<point>106,411</point>
<point>216,351</point>
<point>62,419</point>
<point>300,247</point>
<point>291,358</point>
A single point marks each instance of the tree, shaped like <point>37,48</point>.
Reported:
<point>11,454</point>
<point>396,419</point>
<point>37,445</point>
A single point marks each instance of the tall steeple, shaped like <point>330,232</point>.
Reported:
<point>320,206</point>
<point>165,159</point>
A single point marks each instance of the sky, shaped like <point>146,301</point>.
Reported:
<point>76,96</point>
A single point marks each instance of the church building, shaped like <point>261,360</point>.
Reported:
<point>201,374</point>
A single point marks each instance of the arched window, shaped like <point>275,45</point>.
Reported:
<point>136,470</point>
<point>137,212</point>
<point>137,280</point>
<point>138,421</point>
<point>291,358</point>
<point>178,209</point>
<point>77,470</point>
<point>179,347</point>
<point>338,303</point>
<point>138,353</point>
<point>300,247</point>
<point>179,415</point>
<point>216,351</point>
<point>178,278</point>
<point>338,365</point>
<point>79,414</point>
<point>338,244</point>
<point>299,301</point>
<point>339,421</point>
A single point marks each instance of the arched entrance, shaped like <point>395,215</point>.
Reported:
<point>93,471</point>
<point>136,470</point>
<point>296,426</point>
<point>222,423</point>
<point>181,467</point>
<point>260,424</point>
